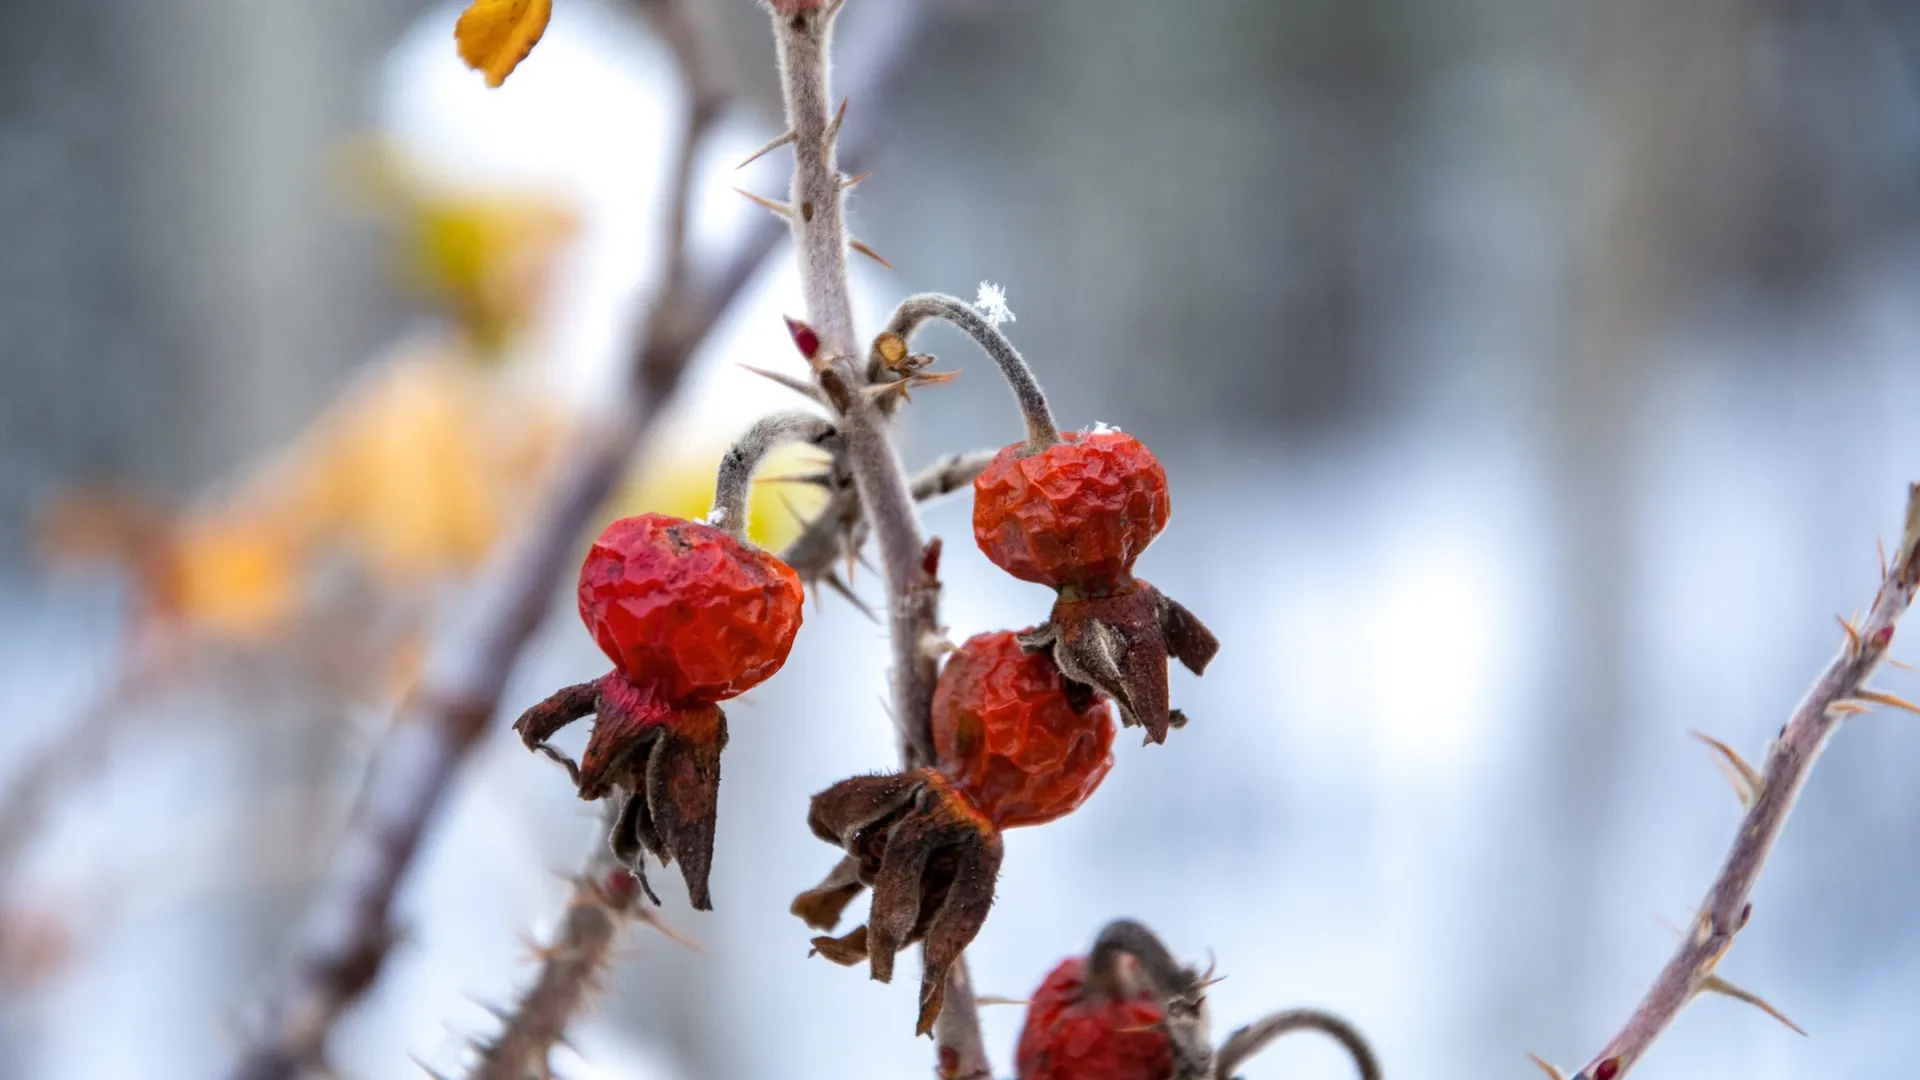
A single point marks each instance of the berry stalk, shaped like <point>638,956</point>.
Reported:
<point>734,484</point>
<point>915,311</point>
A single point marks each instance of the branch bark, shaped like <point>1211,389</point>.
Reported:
<point>1839,692</point>
<point>909,565</point>
<point>347,936</point>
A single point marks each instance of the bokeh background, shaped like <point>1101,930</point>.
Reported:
<point>1534,379</point>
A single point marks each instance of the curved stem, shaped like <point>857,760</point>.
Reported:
<point>735,481</point>
<point>1253,1038</point>
<point>914,311</point>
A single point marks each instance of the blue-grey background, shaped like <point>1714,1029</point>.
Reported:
<point>1534,379</point>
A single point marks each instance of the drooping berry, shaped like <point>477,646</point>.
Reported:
<point>690,615</point>
<point>1075,516</point>
<point>1077,1033</point>
<point>1022,742</point>
<point>1017,745</point>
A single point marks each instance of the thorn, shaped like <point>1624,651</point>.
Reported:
<point>1717,985</point>
<point>1901,664</point>
<point>831,580</point>
<point>797,385</point>
<point>1881,698</point>
<point>498,1012</point>
<point>847,182</point>
<point>1847,708</point>
<point>869,253</point>
<point>1880,546</point>
<point>1747,782</point>
<point>992,999</point>
<point>818,479</point>
<point>1548,1069</point>
<point>1853,636</point>
<point>652,918</point>
<point>779,208</point>
<point>782,140</point>
<point>428,1069</point>
<point>833,127</point>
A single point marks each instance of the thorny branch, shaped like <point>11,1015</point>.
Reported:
<point>909,565</point>
<point>1840,691</point>
<point>347,935</point>
<point>605,895</point>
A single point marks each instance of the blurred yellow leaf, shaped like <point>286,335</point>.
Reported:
<point>495,35</point>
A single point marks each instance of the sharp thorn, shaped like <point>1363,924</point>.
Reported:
<point>848,181</point>
<point>869,253</point>
<point>833,127</point>
<point>1747,781</point>
<point>1847,708</point>
<point>779,208</point>
<point>780,141</point>
<point>831,580</point>
<point>1880,546</point>
<point>1717,985</point>
<point>818,479</point>
<point>428,1069</point>
<point>793,383</point>
<point>1901,664</point>
<point>1879,697</point>
<point>652,918</point>
<point>1548,1069</point>
<point>1853,636</point>
<point>994,999</point>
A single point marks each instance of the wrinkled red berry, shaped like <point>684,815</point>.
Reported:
<point>1010,735</point>
<point>686,610</point>
<point>1075,1033</point>
<point>1077,513</point>
<point>690,616</point>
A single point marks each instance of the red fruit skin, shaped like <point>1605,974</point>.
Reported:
<point>687,611</point>
<point>1073,1035</point>
<point>1008,736</point>
<point>1078,513</point>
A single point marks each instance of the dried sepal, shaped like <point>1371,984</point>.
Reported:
<point>1120,644</point>
<point>664,762</point>
<point>930,858</point>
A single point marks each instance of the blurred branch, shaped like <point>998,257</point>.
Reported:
<point>347,936</point>
<point>1841,691</point>
<point>605,896</point>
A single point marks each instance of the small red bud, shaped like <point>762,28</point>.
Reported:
<point>1883,637</point>
<point>1607,1069</point>
<point>804,338</point>
<point>621,886</point>
<point>930,560</point>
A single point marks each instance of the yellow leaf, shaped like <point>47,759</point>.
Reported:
<point>495,35</point>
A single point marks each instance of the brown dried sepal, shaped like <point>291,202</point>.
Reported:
<point>664,762</point>
<point>930,857</point>
<point>1120,644</point>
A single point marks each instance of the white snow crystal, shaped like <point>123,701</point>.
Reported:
<point>717,517</point>
<point>1102,428</point>
<point>992,304</point>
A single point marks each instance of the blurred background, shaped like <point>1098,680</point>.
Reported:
<point>1534,379</point>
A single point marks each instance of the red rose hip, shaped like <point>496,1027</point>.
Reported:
<point>1076,515</point>
<point>1021,741</point>
<point>690,615</point>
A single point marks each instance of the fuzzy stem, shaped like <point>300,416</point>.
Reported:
<point>347,935</point>
<point>914,312</point>
<point>1725,910</point>
<point>1250,1040</point>
<point>949,474</point>
<point>735,480</point>
<point>909,565</point>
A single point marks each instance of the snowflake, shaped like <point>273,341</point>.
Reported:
<point>992,304</point>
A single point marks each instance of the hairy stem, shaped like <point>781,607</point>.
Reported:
<point>735,481</point>
<point>909,565</point>
<point>1840,691</point>
<point>891,346</point>
<point>1250,1040</point>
